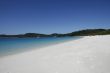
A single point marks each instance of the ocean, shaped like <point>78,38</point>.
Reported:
<point>10,46</point>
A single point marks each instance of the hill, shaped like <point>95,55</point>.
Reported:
<point>86,32</point>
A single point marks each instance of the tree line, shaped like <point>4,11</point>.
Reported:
<point>86,32</point>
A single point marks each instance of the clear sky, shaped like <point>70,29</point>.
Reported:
<point>52,16</point>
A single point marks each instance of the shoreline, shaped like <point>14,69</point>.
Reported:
<point>86,55</point>
<point>38,46</point>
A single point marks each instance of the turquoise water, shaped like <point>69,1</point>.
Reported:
<point>15,45</point>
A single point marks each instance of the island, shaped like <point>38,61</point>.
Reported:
<point>86,32</point>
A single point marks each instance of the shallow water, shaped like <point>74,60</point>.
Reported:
<point>16,45</point>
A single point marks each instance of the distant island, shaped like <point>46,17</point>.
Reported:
<point>86,32</point>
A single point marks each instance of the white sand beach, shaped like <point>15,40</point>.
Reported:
<point>90,54</point>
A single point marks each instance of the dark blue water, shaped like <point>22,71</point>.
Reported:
<point>16,45</point>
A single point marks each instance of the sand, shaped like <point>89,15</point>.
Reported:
<point>90,54</point>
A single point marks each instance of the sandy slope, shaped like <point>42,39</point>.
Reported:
<point>85,55</point>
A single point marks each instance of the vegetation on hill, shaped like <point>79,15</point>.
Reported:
<point>86,32</point>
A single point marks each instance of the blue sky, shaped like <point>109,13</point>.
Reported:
<point>53,16</point>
